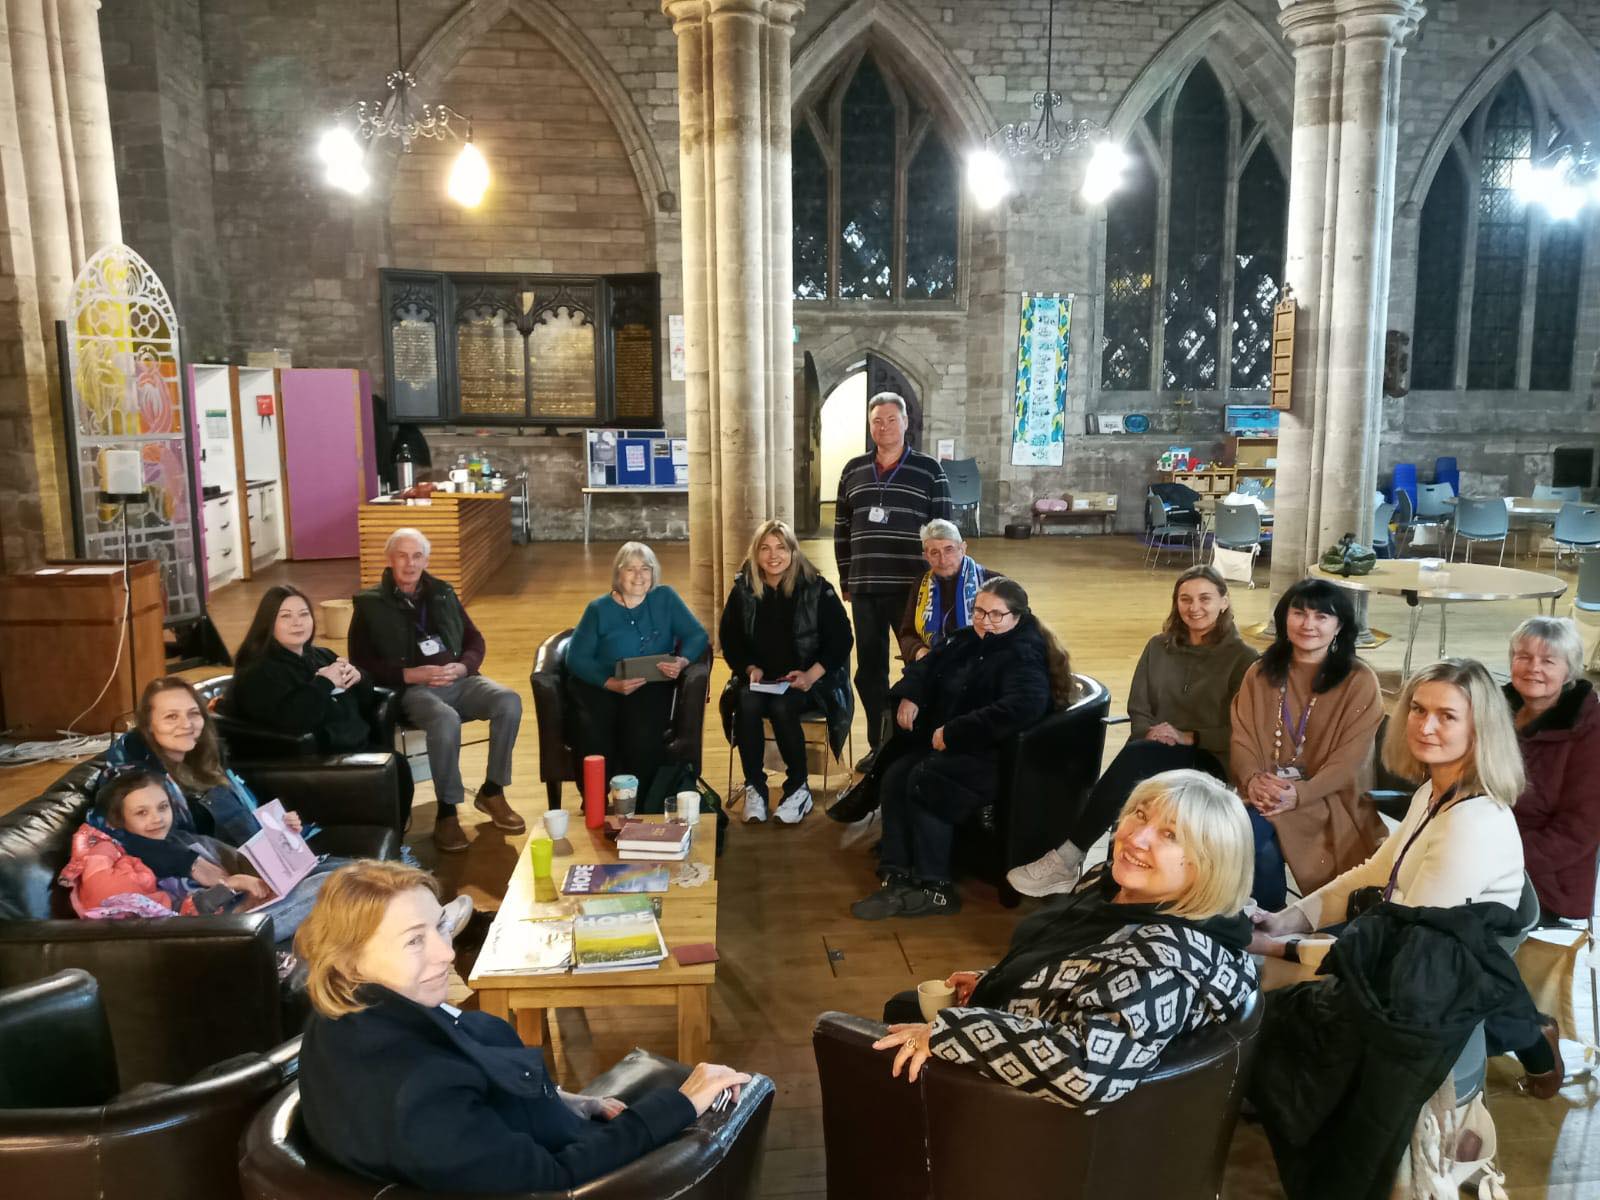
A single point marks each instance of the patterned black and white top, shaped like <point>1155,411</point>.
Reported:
<point>1084,1031</point>
<point>886,556</point>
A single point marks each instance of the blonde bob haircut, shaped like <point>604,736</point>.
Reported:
<point>1215,835</point>
<point>347,913</point>
<point>635,552</point>
<point>799,564</point>
<point>1494,766</point>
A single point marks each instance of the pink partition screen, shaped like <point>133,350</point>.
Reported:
<point>328,458</point>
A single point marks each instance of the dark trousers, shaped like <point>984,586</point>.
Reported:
<point>927,795</point>
<point>785,711</point>
<point>902,1008</point>
<point>629,732</point>
<point>1270,889</point>
<point>1137,762</point>
<point>875,616</point>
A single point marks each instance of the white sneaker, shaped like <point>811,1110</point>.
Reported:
<point>795,805</point>
<point>755,807</point>
<point>1044,876</point>
<point>868,829</point>
<point>456,914</point>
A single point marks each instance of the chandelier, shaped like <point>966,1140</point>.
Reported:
<point>343,149</point>
<point>1045,137</point>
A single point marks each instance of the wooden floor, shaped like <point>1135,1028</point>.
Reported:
<point>789,947</point>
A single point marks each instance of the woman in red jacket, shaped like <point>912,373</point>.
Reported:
<point>1558,726</point>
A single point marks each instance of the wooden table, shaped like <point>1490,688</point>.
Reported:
<point>1454,583</point>
<point>688,917</point>
<point>470,533</point>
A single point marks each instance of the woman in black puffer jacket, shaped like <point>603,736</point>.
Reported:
<point>956,707</point>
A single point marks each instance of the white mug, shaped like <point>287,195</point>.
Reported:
<point>555,824</point>
<point>688,807</point>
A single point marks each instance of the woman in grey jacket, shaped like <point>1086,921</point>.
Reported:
<point>1183,689</point>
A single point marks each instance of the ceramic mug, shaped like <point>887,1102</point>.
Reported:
<point>934,995</point>
<point>555,824</point>
<point>688,807</point>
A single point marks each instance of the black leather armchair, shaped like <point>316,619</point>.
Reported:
<point>716,1158</point>
<point>956,1133</point>
<point>559,759</point>
<point>149,970</point>
<point>248,742</point>
<point>68,1130</point>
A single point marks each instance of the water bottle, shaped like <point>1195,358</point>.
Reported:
<point>405,470</point>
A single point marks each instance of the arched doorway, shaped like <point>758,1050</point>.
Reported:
<point>844,415</point>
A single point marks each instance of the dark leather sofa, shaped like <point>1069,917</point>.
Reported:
<point>559,759</point>
<point>151,972</point>
<point>68,1129</point>
<point>957,1134</point>
<point>716,1158</point>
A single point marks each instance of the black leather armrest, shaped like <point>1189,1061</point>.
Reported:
<point>247,741</point>
<point>385,717</point>
<point>332,789</point>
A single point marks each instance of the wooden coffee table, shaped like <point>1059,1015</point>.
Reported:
<point>688,916</point>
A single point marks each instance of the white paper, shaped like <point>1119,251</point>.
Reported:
<point>947,449</point>
<point>635,457</point>
<point>771,689</point>
<point>93,571</point>
<point>676,354</point>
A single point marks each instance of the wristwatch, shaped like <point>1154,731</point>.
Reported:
<point>1291,950</point>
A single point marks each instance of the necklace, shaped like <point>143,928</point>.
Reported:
<point>1297,739</point>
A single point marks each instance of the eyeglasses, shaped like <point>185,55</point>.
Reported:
<point>990,616</point>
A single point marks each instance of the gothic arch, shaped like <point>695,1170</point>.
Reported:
<point>894,24</point>
<point>1559,61</point>
<point>839,358</point>
<point>1249,59</point>
<point>475,18</point>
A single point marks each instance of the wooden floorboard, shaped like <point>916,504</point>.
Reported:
<point>786,891</point>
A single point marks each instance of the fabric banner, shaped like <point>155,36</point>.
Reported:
<point>1038,436</point>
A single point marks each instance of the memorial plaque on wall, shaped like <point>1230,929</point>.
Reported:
<point>562,374</point>
<point>412,308</point>
<point>635,346</point>
<point>489,364</point>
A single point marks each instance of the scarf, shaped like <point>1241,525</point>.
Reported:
<point>930,616</point>
<point>1085,918</point>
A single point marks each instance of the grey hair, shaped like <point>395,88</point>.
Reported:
<point>894,398</point>
<point>940,530</point>
<point>1560,634</point>
<point>404,532</point>
<point>629,552</point>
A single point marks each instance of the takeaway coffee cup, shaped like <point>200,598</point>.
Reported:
<point>555,824</point>
<point>933,995</point>
<point>688,807</point>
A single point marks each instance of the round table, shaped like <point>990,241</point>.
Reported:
<point>1453,583</point>
<point>1527,506</point>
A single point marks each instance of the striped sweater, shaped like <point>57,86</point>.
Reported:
<point>887,556</point>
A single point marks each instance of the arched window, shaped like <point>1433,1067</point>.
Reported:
<point>877,199</point>
<point>1199,316</point>
<point>1513,300</point>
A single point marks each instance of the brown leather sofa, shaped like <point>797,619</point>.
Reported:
<point>154,972</point>
<point>559,759</point>
<point>717,1158</point>
<point>957,1134</point>
<point>68,1130</point>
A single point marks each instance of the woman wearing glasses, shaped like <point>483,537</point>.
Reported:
<point>955,708</point>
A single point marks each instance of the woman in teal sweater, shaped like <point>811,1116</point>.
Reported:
<point>626,720</point>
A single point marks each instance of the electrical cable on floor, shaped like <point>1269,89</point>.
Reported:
<point>122,634</point>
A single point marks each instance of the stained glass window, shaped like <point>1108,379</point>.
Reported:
<point>1197,200</point>
<point>894,199</point>
<point>810,191</point>
<point>1258,267</point>
<point>1130,279</point>
<point>1439,240</point>
<point>1502,250</point>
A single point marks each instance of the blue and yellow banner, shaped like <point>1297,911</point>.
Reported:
<point>1038,437</point>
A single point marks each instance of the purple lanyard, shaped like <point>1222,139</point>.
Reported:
<point>883,483</point>
<point>1445,802</point>
<point>1297,736</point>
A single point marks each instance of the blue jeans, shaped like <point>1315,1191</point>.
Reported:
<point>1270,889</point>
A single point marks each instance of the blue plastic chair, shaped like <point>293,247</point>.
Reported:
<point>1445,471</point>
<point>1405,480</point>
<point>1588,597</point>
<point>1382,540</point>
<point>1544,491</point>
<point>1479,520</point>
<point>1577,528</point>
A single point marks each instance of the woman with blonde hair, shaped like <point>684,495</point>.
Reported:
<point>399,1085</point>
<point>625,721</point>
<point>1147,947</point>
<point>783,625</point>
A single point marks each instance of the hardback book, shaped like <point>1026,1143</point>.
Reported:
<point>653,835</point>
<point>617,942</point>
<point>542,947</point>
<point>678,855</point>
<point>597,879</point>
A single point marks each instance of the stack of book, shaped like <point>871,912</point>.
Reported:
<point>654,841</point>
<point>621,941</point>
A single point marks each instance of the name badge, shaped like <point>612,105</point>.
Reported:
<point>430,646</point>
<point>877,515</point>
<point>1289,773</point>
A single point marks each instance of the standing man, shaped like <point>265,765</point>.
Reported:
<point>411,633</point>
<point>941,603</point>
<point>884,500</point>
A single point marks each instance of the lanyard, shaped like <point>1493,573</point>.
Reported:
<point>1444,802</point>
<point>420,607</point>
<point>884,482</point>
<point>1297,735</point>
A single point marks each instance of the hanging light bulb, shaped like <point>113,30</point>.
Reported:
<point>338,145</point>
<point>988,178</point>
<point>1103,176</point>
<point>1564,200</point>
<point>469,177</point>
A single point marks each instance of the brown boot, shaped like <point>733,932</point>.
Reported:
<point>492,800</point>
<point>447,835</point>
<point>1545,1085</point>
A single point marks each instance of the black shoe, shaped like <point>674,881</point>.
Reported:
<point>854,801</point>
<point>931,900</point>
<point>864,763</point>
<point>888,901</point>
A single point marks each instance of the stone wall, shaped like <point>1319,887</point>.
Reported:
<point>300,262</point>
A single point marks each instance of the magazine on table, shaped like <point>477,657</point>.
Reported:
<point>600,906</point>
<point>594,879</point>
<point>542,947</point>
<point>279,855</point>
<point>617,942</point>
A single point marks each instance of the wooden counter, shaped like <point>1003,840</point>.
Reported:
<point>470,533</point>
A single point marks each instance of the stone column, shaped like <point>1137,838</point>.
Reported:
<point>60,204</point>
<point>733,100</point>
<point>1341,210</point>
